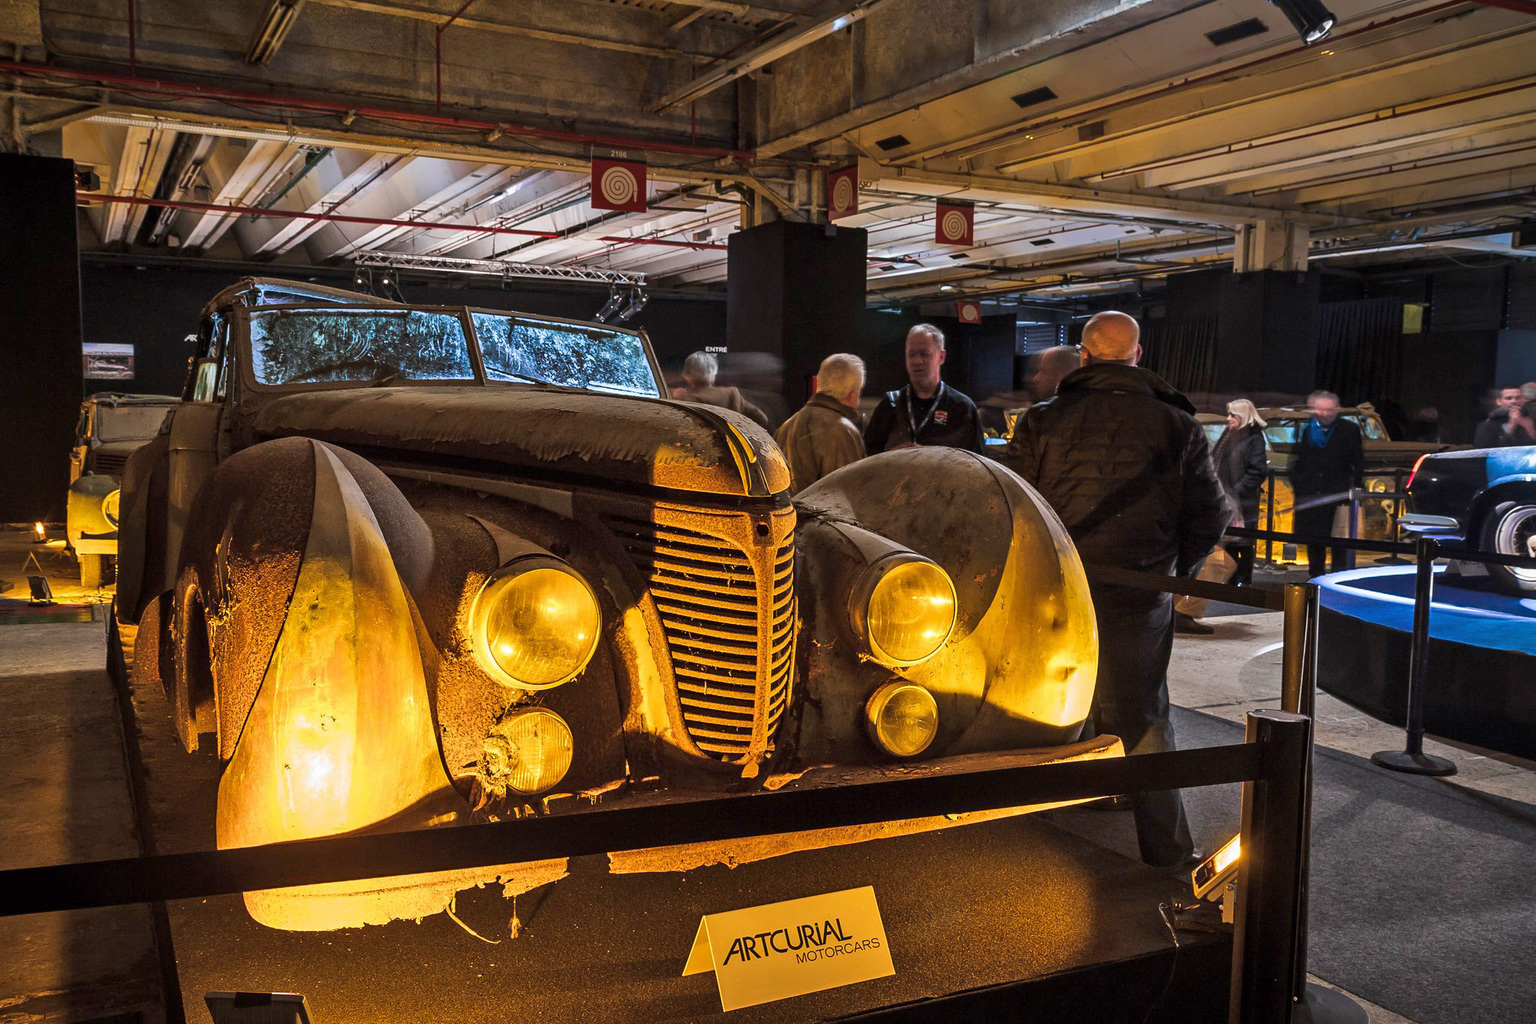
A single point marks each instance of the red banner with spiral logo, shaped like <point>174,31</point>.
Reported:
<point>618,185</point>
<point>954,224</point>
<point>843,193</point>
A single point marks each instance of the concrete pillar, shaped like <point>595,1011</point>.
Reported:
<point>40,372</point>
<point>1271,245</point>
<point>795,292</point>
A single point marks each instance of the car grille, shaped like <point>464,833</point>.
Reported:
<point>108,465</point>
<point>727,605</point>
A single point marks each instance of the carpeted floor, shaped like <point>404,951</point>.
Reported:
<point>1423,893</point>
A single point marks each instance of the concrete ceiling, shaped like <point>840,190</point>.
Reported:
<point>1102,141</point>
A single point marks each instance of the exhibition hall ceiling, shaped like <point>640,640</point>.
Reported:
<point>1101,143</point>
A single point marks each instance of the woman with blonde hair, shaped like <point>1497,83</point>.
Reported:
<point>1241,464</point>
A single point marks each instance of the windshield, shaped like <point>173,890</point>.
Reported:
<point>1285,431</point>
<point>572,355</point>
<point>129,422</point>
<point>314,346</point>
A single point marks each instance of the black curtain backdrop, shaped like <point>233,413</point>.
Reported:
<point>1360,349</point>
<point>1182,352</point>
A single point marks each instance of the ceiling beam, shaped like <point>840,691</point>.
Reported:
<point>719,73</point>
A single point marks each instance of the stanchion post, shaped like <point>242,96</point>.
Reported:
<point>1293,653</point>
<point>1269,522</point>
<point>1411,758</point>
<point>1269,872</point>
<point>1352,529</point>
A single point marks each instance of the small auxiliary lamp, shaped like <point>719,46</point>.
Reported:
<point>1215,878</point>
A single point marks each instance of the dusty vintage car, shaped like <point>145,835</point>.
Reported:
<point>1387,465</point>
<point>111,427</point>
<point>1484,499</point>
<point>413,566</point>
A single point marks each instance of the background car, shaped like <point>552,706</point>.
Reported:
<point>413,566</point>
<point>111,427</point>
<point>1484,499</point>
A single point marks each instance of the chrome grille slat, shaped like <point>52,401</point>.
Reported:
<point>728,614</point>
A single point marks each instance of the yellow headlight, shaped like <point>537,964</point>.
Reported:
<point>902,718</point>
<point>533,749</point>
<point>109,505</point>
<point>910,610</point>
<point>535,624</point>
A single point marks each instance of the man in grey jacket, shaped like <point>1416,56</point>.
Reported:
<point>825,434</point>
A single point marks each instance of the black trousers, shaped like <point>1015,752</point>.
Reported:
<point>1318,522</point>
<point>1131,701</point>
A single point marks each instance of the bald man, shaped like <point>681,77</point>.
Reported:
<point>1119,456</point>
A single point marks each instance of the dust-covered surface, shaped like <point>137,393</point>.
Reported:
<point>616,439</point>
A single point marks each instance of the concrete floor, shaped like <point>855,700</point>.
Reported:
<point>67,799</point>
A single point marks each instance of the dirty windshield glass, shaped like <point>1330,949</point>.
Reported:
<point>313,346</point>
<point>572,355</point>
<point>129,422</point>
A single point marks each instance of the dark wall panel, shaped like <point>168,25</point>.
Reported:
<point>39,335</point>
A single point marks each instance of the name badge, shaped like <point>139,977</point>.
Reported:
<point>779,950</point>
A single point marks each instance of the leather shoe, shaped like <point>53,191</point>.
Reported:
<point>1187,624</point>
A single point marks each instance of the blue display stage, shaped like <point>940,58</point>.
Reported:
<point>1482,654</point>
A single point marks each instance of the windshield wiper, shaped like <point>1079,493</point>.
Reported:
<point>526,377</point>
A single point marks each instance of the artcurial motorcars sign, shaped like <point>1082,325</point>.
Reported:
<point>785,949</point>
<point>416,566</point>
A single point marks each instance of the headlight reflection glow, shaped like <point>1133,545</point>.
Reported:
<point>535,624</point>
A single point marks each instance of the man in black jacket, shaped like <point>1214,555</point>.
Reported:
<point>1120,458</point>
<point>927,411</point>
<point>1329,459</point>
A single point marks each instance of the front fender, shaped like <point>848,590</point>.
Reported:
<point>1019,669</point>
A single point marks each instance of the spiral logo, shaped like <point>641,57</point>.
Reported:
<point>970,314</point>
<point>842,195</point>
<point>618,186</point>
<point>954,225</point>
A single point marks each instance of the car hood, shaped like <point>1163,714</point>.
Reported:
<point>609,438</point>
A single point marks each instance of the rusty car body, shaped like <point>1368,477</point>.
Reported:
<point>412,566</point>
<point>111,427</point>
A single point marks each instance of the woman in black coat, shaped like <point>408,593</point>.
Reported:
<point>1241,465</point>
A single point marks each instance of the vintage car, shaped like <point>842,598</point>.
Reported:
<point>413,566</point>
<point>1483,499</point>
<point>111,428</point>
<point>1387,464</point>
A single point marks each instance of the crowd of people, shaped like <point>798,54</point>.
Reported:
<point>1118,454</point>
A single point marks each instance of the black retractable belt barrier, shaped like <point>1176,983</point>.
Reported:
<point>349,858</point>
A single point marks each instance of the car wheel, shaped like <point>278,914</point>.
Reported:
<point>93,571</point>
<point>1511,530</point>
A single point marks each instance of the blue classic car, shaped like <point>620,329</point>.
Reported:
<point>1484,498</point>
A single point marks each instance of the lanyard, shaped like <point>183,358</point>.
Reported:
<point>938,396</point>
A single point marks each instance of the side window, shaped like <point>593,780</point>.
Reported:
<point>208,376</point>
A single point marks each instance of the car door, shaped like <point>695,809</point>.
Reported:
<point>192,451</point>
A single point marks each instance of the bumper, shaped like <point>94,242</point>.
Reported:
<point>1439,527</point>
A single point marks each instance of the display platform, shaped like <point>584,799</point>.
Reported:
<point>1482,654</point>
<point>1011,919</point>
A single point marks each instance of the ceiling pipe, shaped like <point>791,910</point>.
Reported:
<point>437,52</point>
<point>340,218</point>
<point>345,110</point>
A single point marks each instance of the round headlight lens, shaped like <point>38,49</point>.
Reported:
<point>902,718</point>
<point>109,505</point>
<point>536,626</point>
<point>911,612</point>
<point>530,750</point>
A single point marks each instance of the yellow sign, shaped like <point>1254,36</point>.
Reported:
<point>788,949</point>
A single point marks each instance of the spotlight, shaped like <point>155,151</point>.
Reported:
<point>39,533</point>
<point>40,591</point>
<point>362,281</point>
<point>1312,20</point>
<point>1215,878</point>
<point>615,300</point>
<point>637,301</point>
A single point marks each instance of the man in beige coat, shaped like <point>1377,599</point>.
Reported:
<point>825,435</point>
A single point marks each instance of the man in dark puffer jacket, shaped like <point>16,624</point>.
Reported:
<point>1121,459</point>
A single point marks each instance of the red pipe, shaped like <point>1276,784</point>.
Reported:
<point>203,92</point>
<point>437,52</point>
<point>339,218</point>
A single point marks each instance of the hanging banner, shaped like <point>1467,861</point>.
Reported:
<point>954,223</point>
<point>618,185</point>
<point>843,192</point>
<point>968,312</point>
<point>788,949</point>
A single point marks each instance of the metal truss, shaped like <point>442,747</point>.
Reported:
<point>497,268</point>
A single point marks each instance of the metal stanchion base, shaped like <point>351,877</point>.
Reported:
<point>1413,764</point>
<point>1325,1006</point>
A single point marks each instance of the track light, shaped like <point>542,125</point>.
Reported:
<point>637,301</point>
<point>275,24</point>
<point>615,300</point>
<point>1312,20</point>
